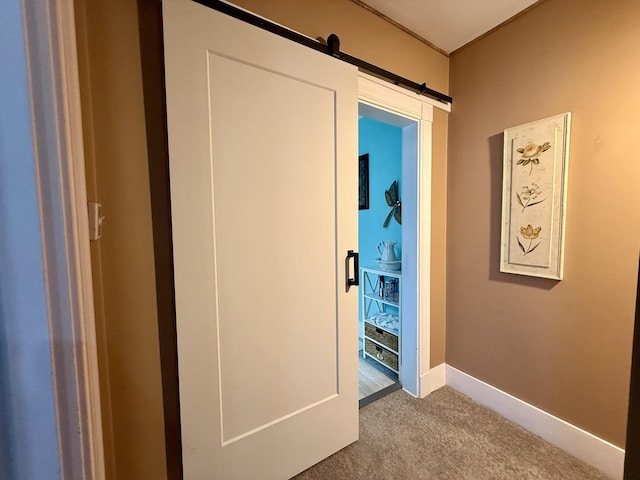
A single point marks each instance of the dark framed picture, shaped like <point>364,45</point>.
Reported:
<point>363,182</point>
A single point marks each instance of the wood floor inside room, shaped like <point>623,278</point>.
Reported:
<point>371,377</point>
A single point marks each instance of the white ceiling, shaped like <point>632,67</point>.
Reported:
<point>449,24</point>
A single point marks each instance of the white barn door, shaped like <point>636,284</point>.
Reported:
<point>263,172</point>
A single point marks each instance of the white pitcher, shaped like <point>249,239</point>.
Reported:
<point>387,252</point>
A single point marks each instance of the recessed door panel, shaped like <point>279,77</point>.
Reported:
<point>274,200</point>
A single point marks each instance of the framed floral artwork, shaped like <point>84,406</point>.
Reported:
<point>534,193</point>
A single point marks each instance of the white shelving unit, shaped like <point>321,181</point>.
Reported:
<point>380,292</point>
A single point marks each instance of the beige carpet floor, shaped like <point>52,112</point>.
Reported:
<point>445,436</point>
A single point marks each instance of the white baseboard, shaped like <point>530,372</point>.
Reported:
<point>432,380</point>
<point>599,453</point>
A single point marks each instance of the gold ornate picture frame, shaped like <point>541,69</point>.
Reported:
<point>534,196</point>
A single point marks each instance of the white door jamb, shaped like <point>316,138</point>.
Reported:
<point>59,155</point>
<point>387,97</point>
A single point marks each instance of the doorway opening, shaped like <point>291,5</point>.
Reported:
<point>387,222</point>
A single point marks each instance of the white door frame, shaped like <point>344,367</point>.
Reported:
<point>50,46</point>
<point>386,97</point>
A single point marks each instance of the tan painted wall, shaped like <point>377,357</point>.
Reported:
<point>124,275</point>
<point>365,35</point>
<point>439,237</point>
<point>562,346</point>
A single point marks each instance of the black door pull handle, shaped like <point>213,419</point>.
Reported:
<point>355,281</point>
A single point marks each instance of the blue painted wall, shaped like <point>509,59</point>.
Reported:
<point>28,437</point>
<point>383,143</point>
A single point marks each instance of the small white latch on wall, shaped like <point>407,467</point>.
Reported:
<point>95,220</point>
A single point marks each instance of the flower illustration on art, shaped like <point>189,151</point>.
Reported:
<point>529,233</point>
<point>531,154</point>
<point>528,195</point>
